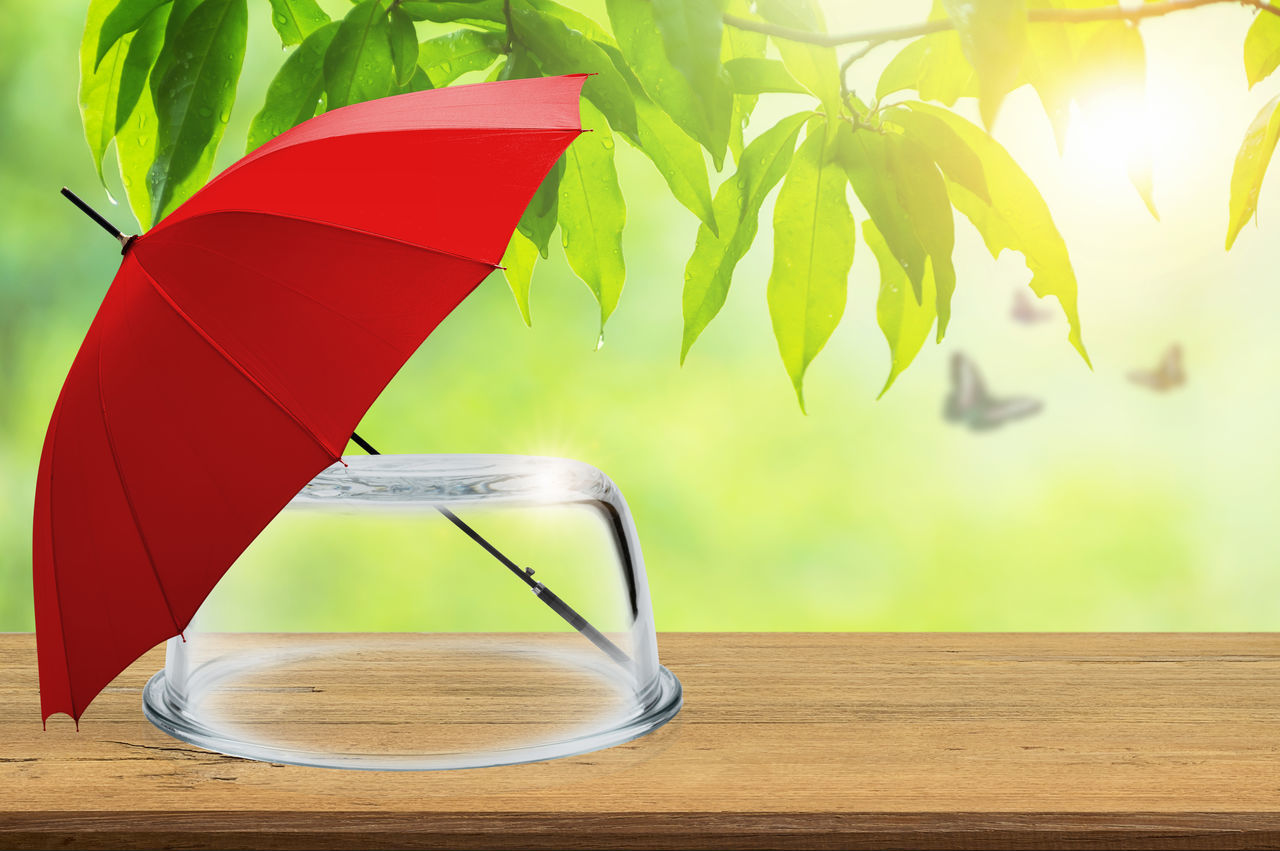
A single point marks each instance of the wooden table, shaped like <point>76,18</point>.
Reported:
<point>785,741</point>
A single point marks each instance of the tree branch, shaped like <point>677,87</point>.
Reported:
<point>1039,16</point>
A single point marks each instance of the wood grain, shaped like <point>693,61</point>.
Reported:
<point>785,741</point>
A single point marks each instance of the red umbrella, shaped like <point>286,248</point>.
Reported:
<point>244,337</point>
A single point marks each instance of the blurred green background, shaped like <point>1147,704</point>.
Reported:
<point>1116,508</point>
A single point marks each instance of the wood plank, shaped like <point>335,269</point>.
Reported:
<point>786,740</point>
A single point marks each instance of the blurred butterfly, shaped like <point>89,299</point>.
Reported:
<point>1167,375</point>
<point>1028,312</point>
<point>971,405</point>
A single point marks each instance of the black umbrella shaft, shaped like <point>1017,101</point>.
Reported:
<point>93,214</point>
<point>560,607</point>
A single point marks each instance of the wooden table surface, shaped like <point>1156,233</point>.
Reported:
<point>785,741</point>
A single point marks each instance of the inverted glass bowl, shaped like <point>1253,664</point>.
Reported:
<point>425,612</point>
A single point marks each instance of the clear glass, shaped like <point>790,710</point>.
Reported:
<point>486,662</point>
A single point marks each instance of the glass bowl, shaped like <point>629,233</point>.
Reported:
<point>414,612</point>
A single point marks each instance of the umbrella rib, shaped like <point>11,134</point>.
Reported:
<point>128,496</point>
<point>284,144</point>
<point>53,547</point>
<point>347,228</point>
<point>231,359</point>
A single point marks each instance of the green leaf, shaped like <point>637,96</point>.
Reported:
<point>1262,47</point>
<point>1140,175</point>
<point>447,57</point>
<point>934,66</point>
<point>923,194</point>
<point>993,35</point>
<point>100,86</point>
<point>560,50</point>
<point>709,272</point>
<point>1251,166</point>
<point>592,214</point>
<point>864,155</point>
<point>123,18</point>
<point>135,150</point>
<point>574,20</point>
<point>418,82</point>
<point>179,11</point>
<point>692,31</point>
<point>295,92</point>
<point>486,14</point>
<point>903,70</point>
<point>677,158</point>
<point>194,97</point>
<point>294,20</point>
<point>1049,67</point>
<point>741,44</point>
<point>358,65</point>
<point>754,76</point>
<point>540,217</point>
<point>814,67</point>
<point>703,115</point>
<point>404,46</point>
<point>959,163</point>
<point>144,48</point>
<point>904,322</point>
<point>518,260</point>
<point>1013,215</point>
<point>519,65</point>
<point>813,235</point>
<point>136,138</point>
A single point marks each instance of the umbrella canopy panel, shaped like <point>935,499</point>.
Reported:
<point>245,336</point>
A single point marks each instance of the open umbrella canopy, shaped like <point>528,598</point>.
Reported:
<point>244,337</point>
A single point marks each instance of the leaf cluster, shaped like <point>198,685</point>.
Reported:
<point>674,81</point>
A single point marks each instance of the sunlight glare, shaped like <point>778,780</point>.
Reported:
<point>1117,133</point>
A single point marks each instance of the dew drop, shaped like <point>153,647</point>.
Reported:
<point>600,341</point>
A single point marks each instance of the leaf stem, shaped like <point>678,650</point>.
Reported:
<point>506,13</point>
<point>873,38</point>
